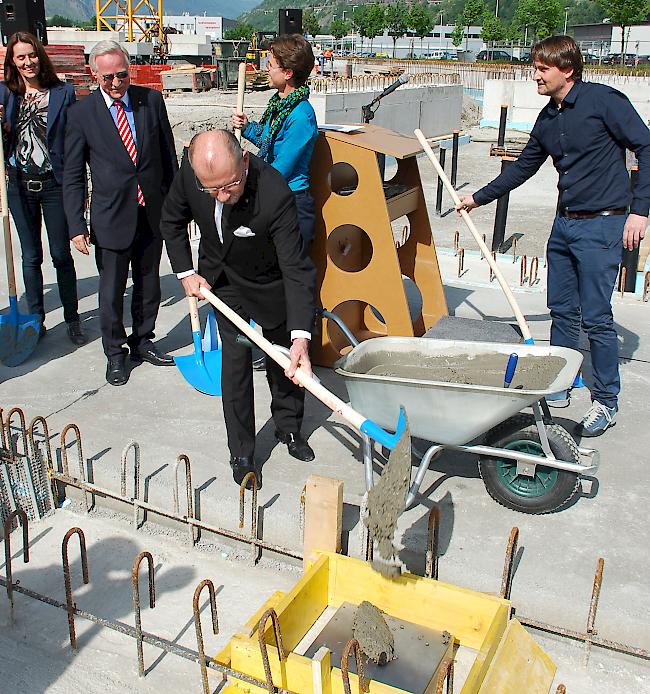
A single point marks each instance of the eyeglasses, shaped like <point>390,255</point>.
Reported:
<point>221,189</point>
<point>120,76</point>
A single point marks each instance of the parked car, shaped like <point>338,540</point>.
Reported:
<point>630,59</point>
<point>493,55</point>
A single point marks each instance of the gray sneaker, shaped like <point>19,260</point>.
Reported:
<point>598,419</point>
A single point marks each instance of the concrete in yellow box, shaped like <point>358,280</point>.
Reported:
<point>507,659</point>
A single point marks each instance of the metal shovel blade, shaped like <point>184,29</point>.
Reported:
<point>202,370</point>
<point>18,334</point>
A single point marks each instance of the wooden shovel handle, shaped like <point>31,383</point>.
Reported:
<point>241,87</point>
<point>193,307</point>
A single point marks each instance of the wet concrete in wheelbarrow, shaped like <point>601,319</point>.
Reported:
<point>373,634</point>
<point>533,372</point>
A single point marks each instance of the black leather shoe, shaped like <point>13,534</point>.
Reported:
<point>116,372</point>
<point>153,356</point>
<point>296,445</point>
<point>241,466</point>
<point>76,334</point>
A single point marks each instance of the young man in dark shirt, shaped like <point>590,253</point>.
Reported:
<point>586,129</point>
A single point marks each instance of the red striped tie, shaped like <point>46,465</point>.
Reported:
<point>127,138</point>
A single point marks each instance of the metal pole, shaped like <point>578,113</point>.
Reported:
<point>454,157</point>
<point>443,154</point>
<point>630,259</point>
<point>501,214</point>
<point>501,139</point>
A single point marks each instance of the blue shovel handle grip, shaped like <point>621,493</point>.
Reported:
<point>510,369</point>
<point>374,431</point>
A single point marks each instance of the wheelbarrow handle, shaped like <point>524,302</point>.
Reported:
<point>523,326</point>
<point>357,420</point>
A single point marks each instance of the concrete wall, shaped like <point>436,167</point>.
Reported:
<point>524,103</point>
<point>88,39</point>
<point>436,110</point>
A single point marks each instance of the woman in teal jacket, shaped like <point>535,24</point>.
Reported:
<point>287,131</point>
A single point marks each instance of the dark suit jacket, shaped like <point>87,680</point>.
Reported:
<point>61,97</point>
<point>92,138</point>
<point>273,275</point>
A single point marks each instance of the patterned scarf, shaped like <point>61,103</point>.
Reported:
<point>275,114</point>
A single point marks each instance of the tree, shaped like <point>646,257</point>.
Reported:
<point>397,21</point>
<point>492,29</point>
<point>310,24</point>
<point>421,21</point>
<point>543,17</point>
<point>360,22</point>
<point>375,21</point>
<point>58,20</point>
<point>457,34</point>
<point>472,14</point>
<point>622,13</point>
<point>339,28</point>
<point>242,30</point>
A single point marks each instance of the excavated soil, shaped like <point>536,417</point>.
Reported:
<point>373,634</point>
<point>532,373</point>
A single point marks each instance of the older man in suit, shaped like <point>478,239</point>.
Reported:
<point>122,133</point>
<point>252,256</point>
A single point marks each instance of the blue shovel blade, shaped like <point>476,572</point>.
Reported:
<point>18,335</point>
<point>202,370</point>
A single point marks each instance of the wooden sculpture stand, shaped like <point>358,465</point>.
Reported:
<point>354,249</point>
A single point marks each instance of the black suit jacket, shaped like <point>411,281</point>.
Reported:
<point>61,97</point>
<point>270,270</point>
<point>92,138</point>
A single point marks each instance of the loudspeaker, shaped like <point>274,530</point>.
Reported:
<point>23,15</point>
<point>289,22</point>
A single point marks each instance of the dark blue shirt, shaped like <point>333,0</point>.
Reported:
<point>587,138</point>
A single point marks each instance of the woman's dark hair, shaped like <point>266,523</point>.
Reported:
<point>46,73</point>
<point>561,52</point>
<point>293,52</point>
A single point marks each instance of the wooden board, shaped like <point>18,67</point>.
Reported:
<point>323,514</point>
<point>378,139</point>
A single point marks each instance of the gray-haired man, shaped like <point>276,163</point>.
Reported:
<point>122,133</point>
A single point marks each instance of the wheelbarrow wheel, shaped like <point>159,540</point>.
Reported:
<point>550,489</point>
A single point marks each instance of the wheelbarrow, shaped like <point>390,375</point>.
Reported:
<point>528,463</point>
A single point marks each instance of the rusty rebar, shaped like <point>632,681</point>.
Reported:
<point>446,672</point>
<point>352,647</point>
<point>64,455</point>
<point>184,458</point>
<point>433,537</point>
<point>250,477</point>
<point>561,689</point>
<point>282,656</point>
<point>301,513</point>
<point>461,261</point>
<point>136,468</point>
<point>621,281</point>
<point>68,582</point>
<point>482,256</point>
<point>24,521</point>
<point>3,435</point>
<point>456,241</point>
<point>523,270</point>
<point>514,250</point>
<point>494,257</point>
<point>593,605</point>
<point>508,565</point>
<point>135,587</point>
<point>49,460</point>
<point>23,433</point>
<point>646,286</point>
<point>534,271</point>
<point>197,625</point>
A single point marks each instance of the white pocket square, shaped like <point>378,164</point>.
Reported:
<point>243,232</point>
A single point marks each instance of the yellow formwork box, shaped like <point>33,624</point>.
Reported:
<point>354,248</point>
<point>506,659</point>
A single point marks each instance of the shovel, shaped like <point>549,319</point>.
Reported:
<point>202,370</point>
<point>18,332</point>
<point>241,87</point>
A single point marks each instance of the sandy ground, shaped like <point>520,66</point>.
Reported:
<point>557,556</point>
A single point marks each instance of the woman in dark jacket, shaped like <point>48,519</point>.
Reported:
<point>35,105</point>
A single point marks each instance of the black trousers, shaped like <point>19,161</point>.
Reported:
<point>143,257</point>
<point>287,399</point>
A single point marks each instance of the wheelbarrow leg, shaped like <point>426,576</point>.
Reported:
<point>541,429</point>
<point>367,448</point>
<point>421,471</point>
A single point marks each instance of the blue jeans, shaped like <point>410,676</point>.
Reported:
<point>583,259</point>
<point>28,209</point>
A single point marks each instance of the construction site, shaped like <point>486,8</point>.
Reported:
<point>452,534</point>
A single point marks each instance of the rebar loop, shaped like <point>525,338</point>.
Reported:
<point>136,469</point>
<point>22,433</point>
<point>250,477</point>
<point>135,587</point>
<point>67,581</point>
<point>593,605</point>
<point>646,286</point>
<point>461,261</point>
<point>561,689</point>
<point>621,281</point>
<point>433,534</point>
<point>508,566</point>
<point>261,627</point>
<point>456,241</point>
<point>64,455</point>
<point>197,625</point>
<point>3,435</point>
<point>352,646</point>
<point>446,672</point>
<point>494,257</point>
<point>184,458</point>
<point>49,460</point>
<point>514,250</point>
<point>534,271</point>
<point>523,270</point>
<point>24,521</point>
